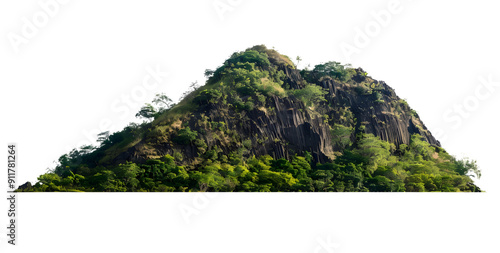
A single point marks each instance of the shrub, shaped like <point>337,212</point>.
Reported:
<point>261,98</point>
<point>245,90</point>
<point>311,94</point>
<point>378,97</point>
<point>201,145</point>
<point>247,143</point>
<point>274,57</point>
<point>334,70</point>
<point>251,56</point>
<point>208,96</point>
<point>185,136</point>
<point>178,156</point>
<point>249,105</point>
<point>363,90</point>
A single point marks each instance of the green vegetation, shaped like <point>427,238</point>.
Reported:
<point>371,166</point>
<point>185,136</point>
<point>311,94</point>
<point>220,137</point>
<point>341,136</point>
<point>378,97</point>
<point>147,112</point>
<point>330,69</point>
<point>208,97</point>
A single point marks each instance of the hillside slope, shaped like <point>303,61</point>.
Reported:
<point>281,125</point>
<point>260,124</point>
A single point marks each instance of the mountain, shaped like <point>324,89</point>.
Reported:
<point>261,124</point>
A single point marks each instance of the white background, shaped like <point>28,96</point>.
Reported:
<point>71,75</point>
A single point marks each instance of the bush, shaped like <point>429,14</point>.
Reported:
<point>251,56</point>
<point>363,90</point>
<point>201,145</point>
<point>247,143</point>
<point>378,97</point>
<point>245,90</point>
<point>249,105</point>
<point>268,87</point>
<point>274,57</point>
<point>341,136</point>
<point>178,156</point>
<point>208,96</point>
<point>185,136</point>
<point>334,70</point>
<point>311,94</point>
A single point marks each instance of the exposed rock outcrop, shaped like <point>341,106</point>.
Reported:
<point>285,126</point>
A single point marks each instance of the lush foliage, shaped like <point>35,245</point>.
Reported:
<point>311,94</point>
<point>206,140</point>
<point>330,69</point>
<point>371,166</point>
<point>185,136</point>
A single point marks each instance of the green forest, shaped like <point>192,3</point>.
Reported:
<point>203,142</point>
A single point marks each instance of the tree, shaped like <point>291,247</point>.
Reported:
<point>127,173</point>
<point>251,56</point>
<point>49,178</point>
<point>298,60</point>
<point>192,87</point>
<point>103,136</point>
<point>380,184</point>
<point>147,111</point>
<point>280,181</point>
<point>104,181</point>
<point>465,166</point>
<point>208,96</point>
<point>375,150</point>
<point>73,159</point>
<point>341,136</point>
<point>163,101</point>
<point>378,97</point>
<point>209,73</point>
<point>311,94</point>
<point>335,70</point>
<point>419,146</point>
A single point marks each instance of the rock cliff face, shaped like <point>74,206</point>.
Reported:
<point>379,118</point>
<point>288,129</point>
<point>286,126</point>
<point>282,131</point>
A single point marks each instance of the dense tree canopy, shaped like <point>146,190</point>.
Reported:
<point>372,166</point>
